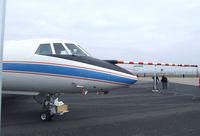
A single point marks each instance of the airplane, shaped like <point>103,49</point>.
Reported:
<point>45,68</point>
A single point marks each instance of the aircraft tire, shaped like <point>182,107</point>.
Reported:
<point>45,116</point>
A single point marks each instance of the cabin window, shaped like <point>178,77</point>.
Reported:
<point>75,50</point>
<point>44,49</point>
<point>59,49</point>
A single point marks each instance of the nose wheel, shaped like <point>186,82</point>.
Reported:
<point>45,116</point>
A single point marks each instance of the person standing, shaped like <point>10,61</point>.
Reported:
<point>164,82</point>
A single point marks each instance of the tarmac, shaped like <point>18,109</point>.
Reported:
<point>134,111</point>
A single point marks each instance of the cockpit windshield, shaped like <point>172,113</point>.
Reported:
<point>75,50</point>
<point>61,49</point>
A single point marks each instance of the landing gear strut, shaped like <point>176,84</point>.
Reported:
<point>51,106</point>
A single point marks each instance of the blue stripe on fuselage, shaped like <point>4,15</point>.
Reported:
<point>66,71</point>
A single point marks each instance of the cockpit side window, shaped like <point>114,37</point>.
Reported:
<point>75,50</point>
<point>59,49</point>
<point>44,49</point>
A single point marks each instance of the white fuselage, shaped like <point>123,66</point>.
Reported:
<point>23,70</point>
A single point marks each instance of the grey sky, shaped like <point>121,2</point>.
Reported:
<point>147,30</point>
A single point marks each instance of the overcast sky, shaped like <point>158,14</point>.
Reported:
<point>147,30</point>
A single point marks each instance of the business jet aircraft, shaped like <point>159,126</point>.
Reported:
<point>47,67</point>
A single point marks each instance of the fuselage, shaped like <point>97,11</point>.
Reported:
<point>27,68</point>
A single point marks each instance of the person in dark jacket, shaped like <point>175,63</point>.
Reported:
<point>164,82</point>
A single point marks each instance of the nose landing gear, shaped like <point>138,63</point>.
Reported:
<point>51,107</point>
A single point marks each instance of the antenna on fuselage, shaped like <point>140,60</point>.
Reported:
<point>2,25</point>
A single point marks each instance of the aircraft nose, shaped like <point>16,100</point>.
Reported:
<point>134,79</point>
